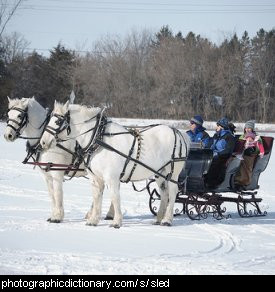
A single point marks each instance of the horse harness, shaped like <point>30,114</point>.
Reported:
<point>96,141</point>
<point>34,151</point>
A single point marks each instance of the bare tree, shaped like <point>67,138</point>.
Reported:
<point>263,62</point>
<point>14,46</point>
<point>7,10</point>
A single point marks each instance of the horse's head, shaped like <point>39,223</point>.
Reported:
<point>59,122</point>
<point>17,118</point>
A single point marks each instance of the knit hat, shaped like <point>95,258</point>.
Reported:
<point>250,134</point>
<point>197,120</point>
<point>250,124</point>
<point>224,123</point>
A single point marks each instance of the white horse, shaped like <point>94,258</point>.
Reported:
<point>26,116</point>
<point>107,146</point>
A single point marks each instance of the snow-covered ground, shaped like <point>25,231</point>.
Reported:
<point>31,245</point>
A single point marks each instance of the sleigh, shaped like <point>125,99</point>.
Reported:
<point>199,202</point>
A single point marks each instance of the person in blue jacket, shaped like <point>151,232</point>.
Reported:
<point>197,131</point>
<point>197,134</point>
<point>223,145</point>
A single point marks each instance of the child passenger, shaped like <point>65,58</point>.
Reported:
<point>253,144</point>
<point>253,148</point>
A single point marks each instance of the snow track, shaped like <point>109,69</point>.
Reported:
<point>31,245</point>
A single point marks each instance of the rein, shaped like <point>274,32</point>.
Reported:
<point>35,150</point>
<point>109,147</point>
<point>49,166</point>
<point>43,124</point>
<point>96,141</point>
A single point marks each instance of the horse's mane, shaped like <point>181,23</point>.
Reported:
<point>17,102</point>
<point>84,109</point>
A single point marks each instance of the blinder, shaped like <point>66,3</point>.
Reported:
<point>23,116</point>
<point>63,123</point>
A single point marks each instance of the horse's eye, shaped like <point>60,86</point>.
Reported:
<point>20,116</point>
<point>58,122</point>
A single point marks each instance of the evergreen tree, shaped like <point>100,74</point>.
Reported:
<point>61,64</point>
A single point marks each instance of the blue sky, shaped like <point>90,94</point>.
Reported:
<point>79,23</point>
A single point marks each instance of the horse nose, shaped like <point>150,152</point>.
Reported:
<point>8,137</point>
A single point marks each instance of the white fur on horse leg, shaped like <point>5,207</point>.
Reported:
<point>163,189</point>
<point>114,191</point>
<point>169,214</point>
<point>97,191</point>
<point>49,183</point>
<point>58,210</point>
<point>50,186</point>
<point>89,213</point>
<point>110,213</point>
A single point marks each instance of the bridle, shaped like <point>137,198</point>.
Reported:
<point>23,120</point>
<point>96,141</point>
<point>63,123</point>
<point>35,149</point>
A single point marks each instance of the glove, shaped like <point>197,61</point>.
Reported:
<point>261,155</point>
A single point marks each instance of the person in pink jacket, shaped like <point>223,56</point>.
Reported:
<point>253,144</point>
<point>253,148</point>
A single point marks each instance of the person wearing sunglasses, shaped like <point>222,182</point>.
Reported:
<point>197,132</point>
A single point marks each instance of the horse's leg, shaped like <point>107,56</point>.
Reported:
<point>114,187</point>
<point>49,183</point>
<point>55,189</point>
<point>58,210</point>
<point>95,212</point>
<point>163,189</point>
<point>110,213</point>
<point>169,214</point>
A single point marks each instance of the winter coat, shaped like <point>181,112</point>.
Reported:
<point>199,136</point>
<point>255,147</point>
<point>223,143</point>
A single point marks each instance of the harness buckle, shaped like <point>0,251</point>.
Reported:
<point>168,176</point>
<point>49,166</point>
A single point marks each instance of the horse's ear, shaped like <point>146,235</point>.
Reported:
<point>25,101</point>
<point>9,100</point>
<point>66,106</point>
<point>33,98</point>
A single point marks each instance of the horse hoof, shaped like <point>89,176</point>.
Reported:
<point>91,224</point>
<point>156,223</point>
<point>117,226</point>
<point>108,218</point>
<point>166,224</point>
<point>54,220</point>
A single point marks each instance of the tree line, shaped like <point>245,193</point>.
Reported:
<point>150,75</point>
